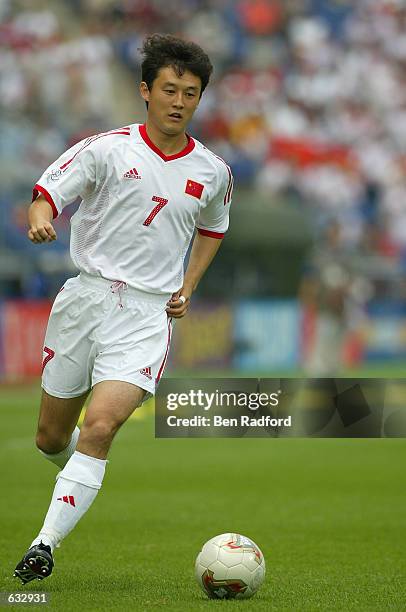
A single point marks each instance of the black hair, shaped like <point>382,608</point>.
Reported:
<point>162,50</point>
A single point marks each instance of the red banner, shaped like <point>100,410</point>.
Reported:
<point>23,326</point>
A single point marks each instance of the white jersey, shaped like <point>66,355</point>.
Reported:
<point>139,207</point>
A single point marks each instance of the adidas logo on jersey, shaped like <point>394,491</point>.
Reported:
<point>131,174</point>
<point>146,372</point>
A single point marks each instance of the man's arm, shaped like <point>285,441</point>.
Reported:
<point>203,251</point>
<point>40,215</point>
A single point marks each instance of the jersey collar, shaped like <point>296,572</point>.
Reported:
<point>188,148</point>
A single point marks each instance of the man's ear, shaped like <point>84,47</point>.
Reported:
<point>144,91</point>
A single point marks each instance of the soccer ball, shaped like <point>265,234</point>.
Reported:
<point>230,566</point>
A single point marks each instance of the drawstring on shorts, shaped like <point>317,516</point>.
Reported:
<point>107,286</point>
<point>118,287</point>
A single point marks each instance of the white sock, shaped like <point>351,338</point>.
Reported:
<point>76,488</point>
<point>61,459</point>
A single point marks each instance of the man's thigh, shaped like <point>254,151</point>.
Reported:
<point>113,401</point>
<point>58,416</point>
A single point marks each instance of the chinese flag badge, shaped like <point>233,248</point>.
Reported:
<point>194,189</point>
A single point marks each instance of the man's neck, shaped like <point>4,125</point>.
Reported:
<point>168,144</point>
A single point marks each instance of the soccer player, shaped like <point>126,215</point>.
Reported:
<point>144,191</point>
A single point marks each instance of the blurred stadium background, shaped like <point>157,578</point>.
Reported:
<point>307,104</point>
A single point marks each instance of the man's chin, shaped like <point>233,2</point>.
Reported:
<point>173,130</point>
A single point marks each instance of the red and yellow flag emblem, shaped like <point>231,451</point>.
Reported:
<point>194,189</point>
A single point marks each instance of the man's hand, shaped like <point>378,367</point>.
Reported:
<point>179,303</point>
<point>39,221</point>
<point>41,231</point>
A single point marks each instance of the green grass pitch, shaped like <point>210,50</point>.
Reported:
<point>329,516</point>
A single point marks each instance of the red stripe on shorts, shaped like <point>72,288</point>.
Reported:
<point>163,364</point>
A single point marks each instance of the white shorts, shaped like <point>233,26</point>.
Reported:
<point>104,330</point>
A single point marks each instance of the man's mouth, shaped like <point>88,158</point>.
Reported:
<point>176,116</point>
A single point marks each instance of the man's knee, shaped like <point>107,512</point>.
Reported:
<point>51,442</point>
<point>100,430</point>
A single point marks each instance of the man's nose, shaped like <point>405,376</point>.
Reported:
<point>178,101</point>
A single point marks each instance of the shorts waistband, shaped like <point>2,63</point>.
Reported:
<point>98,282</point>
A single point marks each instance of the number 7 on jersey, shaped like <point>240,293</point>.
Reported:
<point>161,203</point>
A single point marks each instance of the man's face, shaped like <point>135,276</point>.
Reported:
<point>172,100</point>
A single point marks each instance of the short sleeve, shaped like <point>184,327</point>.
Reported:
<point>73,174</point>
<point>214,218</point>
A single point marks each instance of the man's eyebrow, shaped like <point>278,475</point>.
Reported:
<point>169,84</point>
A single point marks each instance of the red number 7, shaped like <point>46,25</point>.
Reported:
<point>161,203</point>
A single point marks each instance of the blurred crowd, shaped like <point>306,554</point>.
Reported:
<point>308,100</point>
